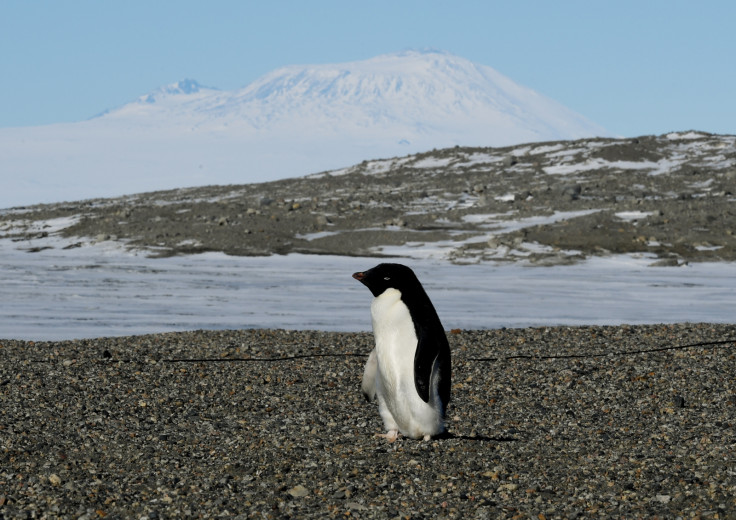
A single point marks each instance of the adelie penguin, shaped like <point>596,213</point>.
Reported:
<point>409,370</point>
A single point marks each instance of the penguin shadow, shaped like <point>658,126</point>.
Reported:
<point>474,438</point>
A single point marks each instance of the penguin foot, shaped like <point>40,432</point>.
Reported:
<point>390,435</point>
<point>427,437</point>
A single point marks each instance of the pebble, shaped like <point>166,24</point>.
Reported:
<point>298,491</point>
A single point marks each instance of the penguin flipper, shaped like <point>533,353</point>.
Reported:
<point>432,365</point>
<point>369,377</point>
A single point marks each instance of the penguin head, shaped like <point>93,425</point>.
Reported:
<point>388,276</point>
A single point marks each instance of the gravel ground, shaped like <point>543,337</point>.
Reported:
<point>551,423</point>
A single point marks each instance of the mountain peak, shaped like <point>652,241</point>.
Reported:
<point>423,92</point>
<point>184,87</point>
<point>427,98</point>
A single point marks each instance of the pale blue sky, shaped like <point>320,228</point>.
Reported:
<point>633,66</point>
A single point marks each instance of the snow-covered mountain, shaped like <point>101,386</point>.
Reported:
<point>293,121</point>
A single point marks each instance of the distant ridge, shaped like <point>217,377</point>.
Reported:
<point>293,121</point>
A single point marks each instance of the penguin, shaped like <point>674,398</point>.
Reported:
<point>409,369</point>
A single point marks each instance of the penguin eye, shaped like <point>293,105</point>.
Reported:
<point>387,278</point>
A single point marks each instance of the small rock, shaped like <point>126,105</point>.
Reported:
<point>54,479</point>
<point>665,262</point>
<point>571,191</point>
<point>322,220</point>
<point>298,491</point>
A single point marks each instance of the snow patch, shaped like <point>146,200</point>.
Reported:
<point>477,158</point>
<point>433,162</point>
<point>686,135</point>
<point>507,226</point>
<point>630,216</point>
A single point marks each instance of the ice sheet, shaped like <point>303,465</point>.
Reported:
<point>98,291</point>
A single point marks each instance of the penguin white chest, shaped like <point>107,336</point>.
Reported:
<point>396,340</point>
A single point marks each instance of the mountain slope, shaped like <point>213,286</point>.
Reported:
<point>293,121</point>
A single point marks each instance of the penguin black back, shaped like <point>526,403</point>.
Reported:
<point>432,345</point>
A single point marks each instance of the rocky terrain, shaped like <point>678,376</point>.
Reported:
<point>585,422</point>
<point>669,196</point>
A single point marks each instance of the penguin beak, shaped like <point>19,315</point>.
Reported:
<point>359,276</point>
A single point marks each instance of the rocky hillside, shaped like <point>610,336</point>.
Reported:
<point>669,196</point>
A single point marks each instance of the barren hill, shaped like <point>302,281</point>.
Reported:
<point>668,196</point>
